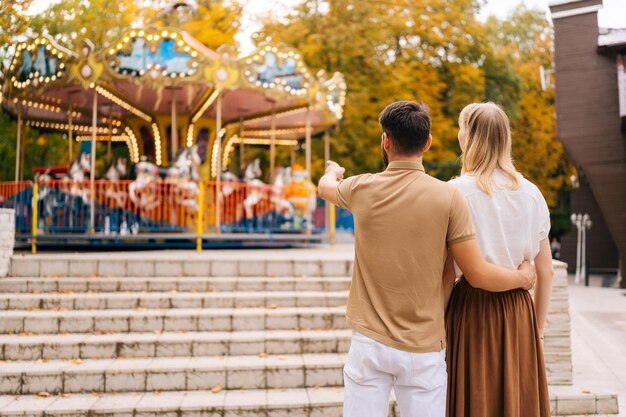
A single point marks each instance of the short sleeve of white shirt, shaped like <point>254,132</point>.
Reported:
<point>509,223</point>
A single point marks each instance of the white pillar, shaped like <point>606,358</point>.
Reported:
<point>19,143</point>
<point>92,174</point>
<point>218,177</point>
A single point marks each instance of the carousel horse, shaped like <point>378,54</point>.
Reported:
<point>142,191</point>
<point>254,187</point>
<point>184,173</point>
<point>281,205</point>
<point>78,174</point>
<point>116,171</point>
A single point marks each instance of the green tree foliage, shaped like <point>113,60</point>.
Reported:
<point>438,52</point>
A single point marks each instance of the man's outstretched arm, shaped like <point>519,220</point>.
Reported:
<point>327,187</point>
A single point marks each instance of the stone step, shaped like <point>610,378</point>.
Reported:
<point>172,374</point>
<point>309,402</point>
<point>297,402</point>
<point>169,344</point>
<point>180,284</point>
<point>163,300</point>
<point>181,319</point>
<point>175,263</point>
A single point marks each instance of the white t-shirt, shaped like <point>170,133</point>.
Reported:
<point>509,223</point>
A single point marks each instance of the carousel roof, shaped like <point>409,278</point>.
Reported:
<point>140,75</point>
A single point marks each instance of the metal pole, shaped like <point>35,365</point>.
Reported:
<point>92,174</point>
<point>218,127</point>
<point>242,149</point>
<point>174,125</point>
<point>309,226</point>
<point>19,144</point>
<point>109,145</point>
<point>35,219</point>
<point>70,132</point>
<point>293,155</point>
<point>308,143</point>
<point>328,205</point>
<point>273,144</point>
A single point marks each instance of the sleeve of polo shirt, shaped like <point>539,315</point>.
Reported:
<point>344,193</point>
<point>460,225</point>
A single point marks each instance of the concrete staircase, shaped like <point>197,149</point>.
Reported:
<point>125,335</point>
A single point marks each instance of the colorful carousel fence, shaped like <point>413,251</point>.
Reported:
<point>159,211</point>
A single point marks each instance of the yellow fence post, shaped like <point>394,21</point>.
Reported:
<point>200,225</point>
<point>33,229</point>
<point>332,226</point>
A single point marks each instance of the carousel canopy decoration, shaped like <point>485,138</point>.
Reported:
<point>38,62</point>
<point>156,53</point>
<point>281,69</point>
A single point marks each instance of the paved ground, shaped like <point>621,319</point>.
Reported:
<point>599,339</point>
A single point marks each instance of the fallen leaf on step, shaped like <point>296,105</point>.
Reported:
<point>25,334</point>
<point>76,361</point>
<point>66,395</point>
<point>216,389</point>
<point>272,306</point>
<point>263,355</point>
<point>41,360</point>
<point>139,308</point>
<point>586,391</point>
<point>156,392</point>
<point>43,394</point>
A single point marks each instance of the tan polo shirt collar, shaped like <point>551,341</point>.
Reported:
<point>397,165</point>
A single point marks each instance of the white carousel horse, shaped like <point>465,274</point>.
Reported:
<point>279,202</point>
<point>147,174</point>
<point>79,172</point>
<point>184,173</point>
<point>254,187</point>
<point>80,168</point>
<point>115,172</point>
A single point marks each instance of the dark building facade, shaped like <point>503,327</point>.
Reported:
<point>591,112</point>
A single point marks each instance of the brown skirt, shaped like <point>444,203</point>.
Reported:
<point>494,356</point>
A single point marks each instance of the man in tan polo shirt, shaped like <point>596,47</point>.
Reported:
<point>405,221</point>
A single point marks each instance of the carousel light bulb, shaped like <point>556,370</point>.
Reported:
<point>133,34</point>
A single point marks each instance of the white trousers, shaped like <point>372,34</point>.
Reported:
<point>419,380</point>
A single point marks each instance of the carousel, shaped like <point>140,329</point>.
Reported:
<point>187,116</point>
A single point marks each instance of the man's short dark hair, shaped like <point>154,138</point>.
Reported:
<point>407,123</point>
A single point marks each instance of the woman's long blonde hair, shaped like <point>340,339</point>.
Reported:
<point>487,134</point>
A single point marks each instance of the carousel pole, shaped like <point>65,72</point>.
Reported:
<point>273,144</point>
<point>174,124</point>
<point>70,133</point>
<point>329,206</point>
<point>92,174</point>
<point>242,150</point>
<point>308,143</point>
<point>109,144</point>
<point>293,155</point>
<point>19,143</point>
<point>308,166</point>
<point>218,176</point>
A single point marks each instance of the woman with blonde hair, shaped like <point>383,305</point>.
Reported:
<point>495,355</point>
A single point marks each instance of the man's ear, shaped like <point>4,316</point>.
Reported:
<point>429,143</point>
<point>386,142</point>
